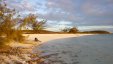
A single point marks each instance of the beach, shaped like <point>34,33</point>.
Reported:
<point>48,37</point>
<point>61,49</point>
<point>56,32</point>
<point>23,52</point>
<point>44,38</point>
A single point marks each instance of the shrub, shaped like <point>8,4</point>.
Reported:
<point>73,30</point>
<point>11,24</point>
<point>66,29</point>
<point>8,32</point>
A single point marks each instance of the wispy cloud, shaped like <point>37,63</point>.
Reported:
<point>98,8</point>
<point>68,12</point>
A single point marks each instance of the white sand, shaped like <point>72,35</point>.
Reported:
<point>48,37</point>
<point>44,38</point>
<point>84,51</point>
<point>30,44</point>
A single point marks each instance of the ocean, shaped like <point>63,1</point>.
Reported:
<point>93,49</point>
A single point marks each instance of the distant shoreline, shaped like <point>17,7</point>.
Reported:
<point>52,32</point>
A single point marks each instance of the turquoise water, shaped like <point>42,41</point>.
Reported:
<point>94,49</point>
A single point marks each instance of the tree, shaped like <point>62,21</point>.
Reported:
<point>32,22</point>
<point>27,21</point>
<point>39,25</point>
<point>73,30</point>
<point>8,32</point>
<point>11,25</point>
<point>66,29</point>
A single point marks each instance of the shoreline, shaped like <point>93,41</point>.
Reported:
<point>23,52</point>
<point>48,37</point>
<point>96,49</point>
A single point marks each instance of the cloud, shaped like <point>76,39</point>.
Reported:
<point>65,22</point>
<point>98,8</point>
<point>65,5</point>
<point>68,12</point>
<point>63,8</point>
<point>22,5</point>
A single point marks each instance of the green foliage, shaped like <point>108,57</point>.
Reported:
<point>7,26</point>
<point>38,25</point>
<point>32,22</point>
<point>70,30</point>
<point>73,30</point>
<point>11,25</point>
<point>27,21</point>
<point>66,29</point>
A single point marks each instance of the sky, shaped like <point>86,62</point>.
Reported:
<point>85,14</point>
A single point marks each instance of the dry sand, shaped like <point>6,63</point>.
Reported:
<point>29,45</point>
<point>48,37</point>
<point>44,38</point>
<point>22,52</point>
<point>85,51</point>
